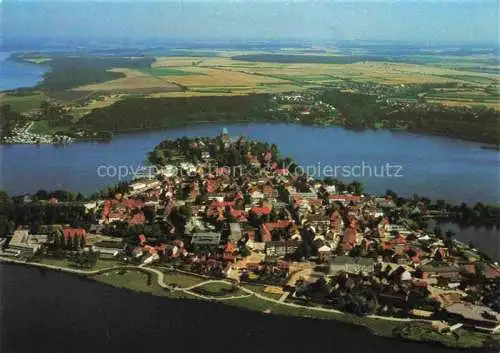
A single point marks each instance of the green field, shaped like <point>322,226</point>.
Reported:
<point>63,262</point>
<point>180,279</point>
<point>166,71</point>
<point>459,338</point>
<point>260,289</point>
<point>217,289</point>
<point>40,127</point>
<point>137,281</point>
<point>23,104</point>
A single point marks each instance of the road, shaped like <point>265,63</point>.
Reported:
<point>160,277</point>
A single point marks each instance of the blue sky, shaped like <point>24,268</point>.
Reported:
<point>404,20</point>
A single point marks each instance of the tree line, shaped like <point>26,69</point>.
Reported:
<point>364,111</point>
<point>135,113</point>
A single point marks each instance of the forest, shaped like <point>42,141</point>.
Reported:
<point>151,113</point>
<point>71,71</point>
<point>363,111</point>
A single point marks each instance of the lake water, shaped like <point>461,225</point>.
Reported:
<point>485,239</point>
<point>14,74</point>
<point>44,311</point>
<point>436,167</point>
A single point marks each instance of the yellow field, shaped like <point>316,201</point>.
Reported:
<point>221,78</point>
<point>220,75</point>
<point>464,102</point>
<point>230,92</point>
<point>135,81</point>
<point>104,101</point>
<point>232,72</point>
<point>380,72</point>
<point>224,72</point>
<point>175,61</point>
<point>194,94</point>
<point>190,61</point>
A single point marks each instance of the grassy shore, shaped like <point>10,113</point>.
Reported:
<point>144,281</point>
<point>138,281</point>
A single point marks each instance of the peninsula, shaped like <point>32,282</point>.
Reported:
<point>229,219</point>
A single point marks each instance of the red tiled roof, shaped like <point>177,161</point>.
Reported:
<point>162,248</point>
<point>268,190</point>
<point>349,239</point>
<point>261,210</point>
<point>169,207</point>
<point>229,248</point>
<point>282,223</point>
<point>138,218</point>
<point>335,215</point>
<point>211,185</point>
<point>155,193</point>
<point>133,203</point>
<point>490,271</point>
<point>228,257</point>
<point>116,214</point>
<point>106,209</point>
<point>399,239</point>
<point>283,265</point>
<point>251,234</point>
<point>386,246</point>
<point>316,202</point>
<point>252,265</point>
<point>74,232</point>
<point>266,234</point>
<point>238,213</point>
<point>216,203</point>
<point>221,171</point>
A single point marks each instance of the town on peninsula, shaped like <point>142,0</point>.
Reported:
<point>230,220</point>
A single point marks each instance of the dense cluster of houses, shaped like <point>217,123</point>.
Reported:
<point>23,135</point>
<point>303,106</point>
<point>278,228</point>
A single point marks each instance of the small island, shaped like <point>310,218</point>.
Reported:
<point>231,220</point>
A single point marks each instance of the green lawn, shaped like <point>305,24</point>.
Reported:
<point>260,289</point>
<point>459,338</point>
<point>217,290</point>
<point>252,303</point>
<point>40,127</point>
<point>23,104</point>
<point>132,279</point>
<point>180,279</point>
<point>167,71</point>
<point>378,327</point>
<point>101,263</point>
<point>137,281</point>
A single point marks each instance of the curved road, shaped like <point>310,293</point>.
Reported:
<point>160,276</point>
